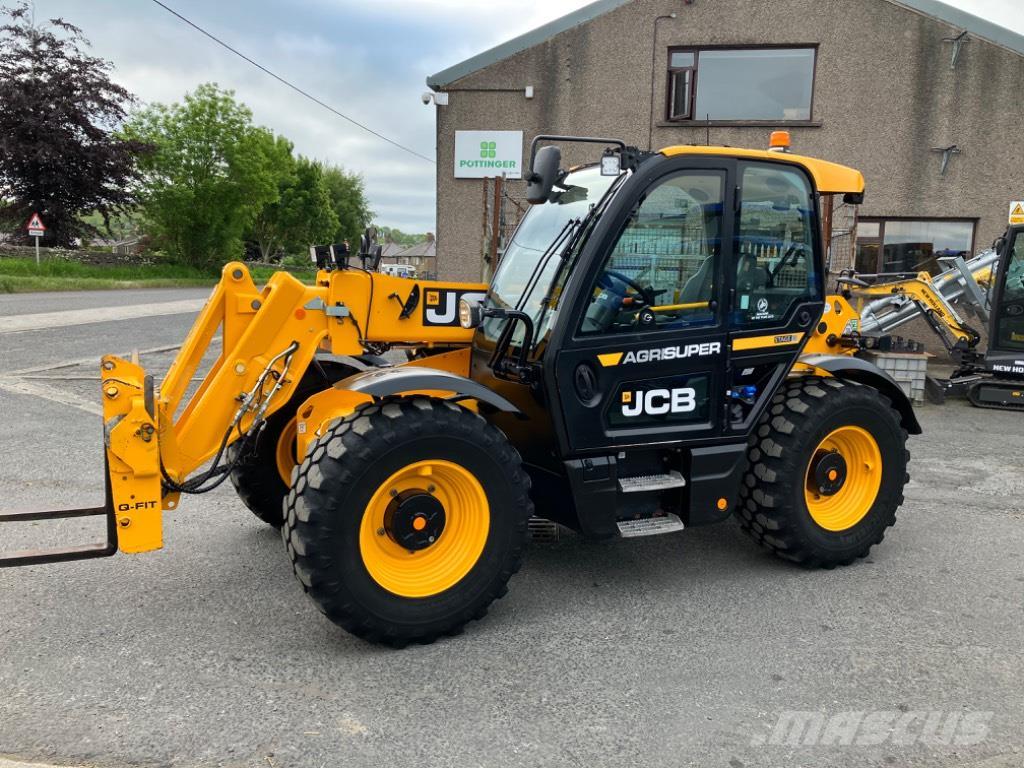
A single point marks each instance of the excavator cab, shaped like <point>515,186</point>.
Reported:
<point>1007,332</point>
<point>1004,358</point>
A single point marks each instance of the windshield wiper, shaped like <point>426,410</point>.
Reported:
<point>589,222</point>
<point>564,235</point>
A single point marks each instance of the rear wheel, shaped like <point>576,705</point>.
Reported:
<point>407,519</point>
<point>263,474</point>
<point>827,466</point>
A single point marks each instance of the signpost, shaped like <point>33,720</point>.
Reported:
<point>36,229</point>
<point>1017,212</point>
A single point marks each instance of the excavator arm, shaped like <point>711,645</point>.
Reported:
<point>921,292</point>
<point>158,439</point>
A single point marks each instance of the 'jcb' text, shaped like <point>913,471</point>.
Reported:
<point>658,402</point>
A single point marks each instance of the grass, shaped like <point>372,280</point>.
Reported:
<point>23,276</point>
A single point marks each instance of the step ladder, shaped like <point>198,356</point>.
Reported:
<point>650,526</point>
<point>648,483</point>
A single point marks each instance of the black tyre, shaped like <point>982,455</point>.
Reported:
<point>407,519</point>
<point>827,466</point>
<point>263,474</point>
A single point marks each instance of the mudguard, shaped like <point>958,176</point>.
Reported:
<point>381,382</point>
<point>863,372</point>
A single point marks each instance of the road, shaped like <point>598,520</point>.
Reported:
<point>686,649</point>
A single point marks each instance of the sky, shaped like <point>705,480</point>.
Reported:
<point>367,58</point>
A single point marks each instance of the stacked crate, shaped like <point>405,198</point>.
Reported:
<point>909,369</point>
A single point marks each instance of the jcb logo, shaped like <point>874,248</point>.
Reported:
<point>659,402</point>
<point>442,306</point>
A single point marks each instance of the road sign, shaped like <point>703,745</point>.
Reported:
<point>36,228</point>
<point>1017,212</point>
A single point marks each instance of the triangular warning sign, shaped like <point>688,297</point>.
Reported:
<point>1018,210</point>
<point>36,222</point>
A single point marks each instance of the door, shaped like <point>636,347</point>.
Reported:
<point>1007,333</point>
<point>778,284</point>
<point>642,355</point>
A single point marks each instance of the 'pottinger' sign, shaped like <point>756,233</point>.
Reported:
<point>485,154</point>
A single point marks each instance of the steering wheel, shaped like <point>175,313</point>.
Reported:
<point>792,255</point>
<point>648,294</point>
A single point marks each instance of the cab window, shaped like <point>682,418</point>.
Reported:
<point>1010,318</point>
<point>774,255</point>
<point>662,272</point>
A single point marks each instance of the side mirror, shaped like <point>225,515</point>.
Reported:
<point>543,175</point>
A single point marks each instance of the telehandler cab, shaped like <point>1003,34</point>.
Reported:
<point>656,350</point>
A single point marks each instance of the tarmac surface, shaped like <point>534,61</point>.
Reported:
<point>685,649</point>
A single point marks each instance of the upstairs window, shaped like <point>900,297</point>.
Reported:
<point>770,85</point>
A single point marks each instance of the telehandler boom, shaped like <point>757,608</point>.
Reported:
<point>655,351</point>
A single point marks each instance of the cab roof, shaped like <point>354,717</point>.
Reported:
<point>829,178</point>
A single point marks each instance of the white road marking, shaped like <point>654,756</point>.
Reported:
<point>43,320</point>
<point>43,392</point>
<point>95,359</point>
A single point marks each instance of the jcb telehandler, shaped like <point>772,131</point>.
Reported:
<point>656,350</point>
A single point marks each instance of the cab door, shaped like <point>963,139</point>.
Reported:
<point>642,346</point>
<point>777,283</point>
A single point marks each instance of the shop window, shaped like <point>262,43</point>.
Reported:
<point>911,245</point>
<point>774,85</point>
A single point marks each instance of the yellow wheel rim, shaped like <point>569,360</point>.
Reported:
<point>446,561</point>
<point>847,506</point>
<point>286,449</point>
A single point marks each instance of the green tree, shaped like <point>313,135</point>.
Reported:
<point>210,175</point>
<point>301,216</point>
<point>59,153</point>
<point>397,236</point>
<point>348,199</point>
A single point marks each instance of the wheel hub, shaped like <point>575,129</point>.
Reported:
<point>828,468</point>
<point>414,520</point>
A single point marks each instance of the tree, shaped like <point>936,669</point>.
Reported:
<point>397,236</point>
<point>348,198</point>
<point>59,153</point>
<point>211,173</point>
<point>301,216</point>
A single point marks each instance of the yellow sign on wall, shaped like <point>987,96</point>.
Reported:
<point>1017,212</point>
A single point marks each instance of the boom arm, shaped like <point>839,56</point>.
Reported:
<point>156,441</point>
<point>918,292</point>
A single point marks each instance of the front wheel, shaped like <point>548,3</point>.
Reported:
<point>827,466</point>
<point>407,519</point>
<point>261,475</point>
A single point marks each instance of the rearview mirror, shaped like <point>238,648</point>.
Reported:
<point>543,175</point>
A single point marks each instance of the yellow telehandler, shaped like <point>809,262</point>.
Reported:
<point>655,351</point>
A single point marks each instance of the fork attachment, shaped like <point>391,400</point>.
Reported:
<point>65,554</point>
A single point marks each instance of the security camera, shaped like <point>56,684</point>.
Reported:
<point>427,97</point>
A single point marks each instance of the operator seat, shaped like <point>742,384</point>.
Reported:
<point>698,287</point>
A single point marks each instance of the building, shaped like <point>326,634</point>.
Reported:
<point>422,256</point>
<point>923,98</point>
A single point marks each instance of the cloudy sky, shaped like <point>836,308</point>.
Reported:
<point>367,58</point>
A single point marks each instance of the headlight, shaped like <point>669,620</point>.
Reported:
<point>469,313</point>
<point>466,314</point>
